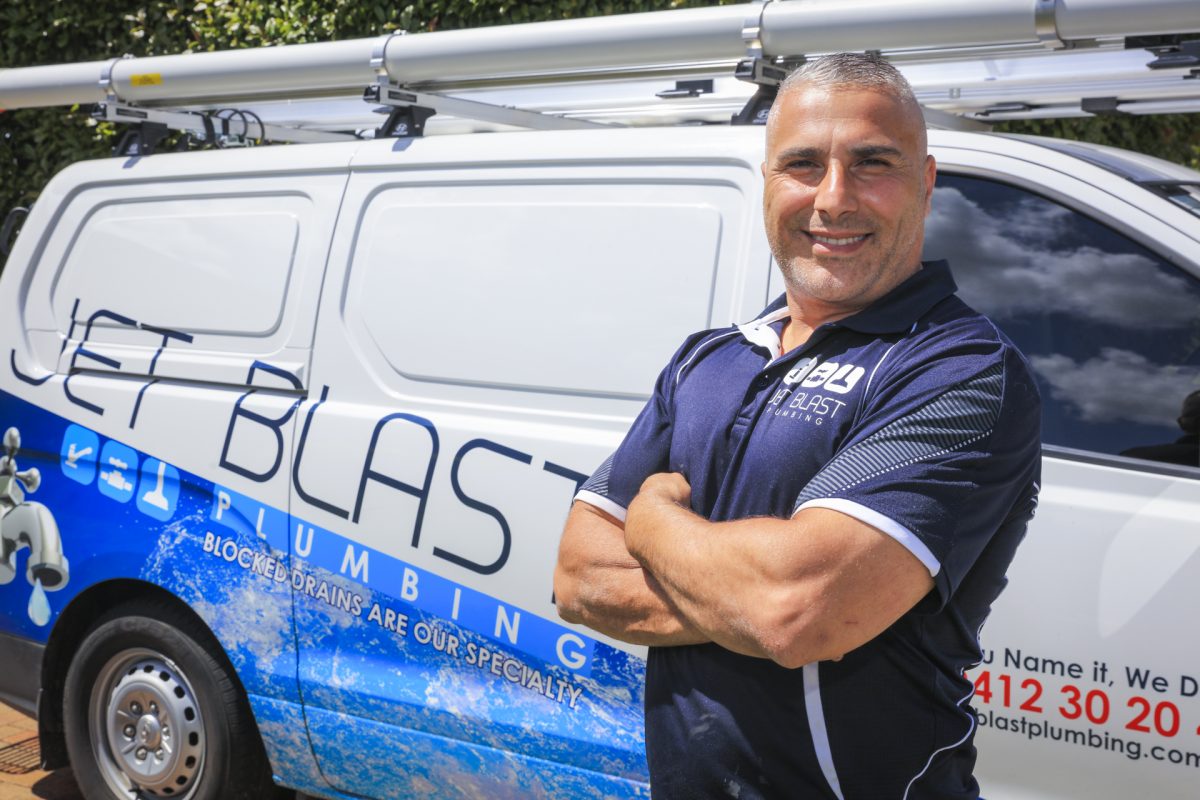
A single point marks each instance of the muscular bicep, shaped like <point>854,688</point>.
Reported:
<point>853,581</point>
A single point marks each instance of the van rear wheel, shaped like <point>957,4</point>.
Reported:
<point>151,710</point>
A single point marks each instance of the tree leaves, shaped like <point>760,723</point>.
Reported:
<point>1174,137</point>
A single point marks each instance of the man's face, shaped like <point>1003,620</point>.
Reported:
<point>847,188</point>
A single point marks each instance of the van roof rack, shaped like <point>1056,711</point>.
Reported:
<point>970,64</point>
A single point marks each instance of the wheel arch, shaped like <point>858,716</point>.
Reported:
<point>72,626</point>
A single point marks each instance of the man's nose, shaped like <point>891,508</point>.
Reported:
<point>835,195</point>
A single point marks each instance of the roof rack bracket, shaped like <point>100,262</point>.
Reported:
<point>395,98</point>
<point>141,140</point>
<point>767,75</point>
<point>693,88</point>
<point>1183,53</point>
<point>1101,106</point>
<point>228,127</point>
<point>406,117</point>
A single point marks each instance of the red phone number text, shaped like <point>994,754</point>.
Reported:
<point>1144,716</point>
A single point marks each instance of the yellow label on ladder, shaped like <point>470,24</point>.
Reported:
<point>146,79</point>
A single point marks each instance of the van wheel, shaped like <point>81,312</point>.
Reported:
<point>151,710</point>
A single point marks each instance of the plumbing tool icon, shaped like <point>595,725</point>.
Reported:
<point>114,476</point>
<point>155,496</point>
<point>28,524</point>
<point>73,455</point>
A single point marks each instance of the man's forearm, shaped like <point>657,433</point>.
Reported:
<point>626,604</point>
<point>678,557</point>
<point>804,589</point>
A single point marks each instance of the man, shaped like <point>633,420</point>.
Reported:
<point>813,514</point>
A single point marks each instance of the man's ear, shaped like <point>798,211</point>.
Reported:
<point>930,180</point>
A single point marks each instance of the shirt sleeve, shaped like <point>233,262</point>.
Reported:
<point>646,449</point>
<point>945,454</point>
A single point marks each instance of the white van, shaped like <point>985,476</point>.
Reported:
<point>307,421</point>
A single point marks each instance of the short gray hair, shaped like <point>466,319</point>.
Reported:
<point>868,71</point>
<point>858,70</point>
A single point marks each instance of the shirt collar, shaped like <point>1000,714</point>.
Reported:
<point>900,308</point>
<point>895,312</point>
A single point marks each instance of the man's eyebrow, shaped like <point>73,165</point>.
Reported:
<point>809,153</point>
<point>871,150</point>
<point>859,152</point>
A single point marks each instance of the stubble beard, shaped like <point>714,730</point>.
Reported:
<point>854,283</point>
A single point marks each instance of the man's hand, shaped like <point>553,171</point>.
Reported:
<point>660,495</point>
<point>597,583</point>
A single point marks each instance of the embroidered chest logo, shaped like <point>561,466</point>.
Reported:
<point>811,390</point>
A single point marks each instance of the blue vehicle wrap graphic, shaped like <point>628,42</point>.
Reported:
<point>421,589</point>
<point>409,683</point>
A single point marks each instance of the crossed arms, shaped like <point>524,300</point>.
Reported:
<point>798,590</point>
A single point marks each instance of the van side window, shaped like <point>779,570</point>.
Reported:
<point>1111,329</point>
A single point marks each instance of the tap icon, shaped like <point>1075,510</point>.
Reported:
<point>27,524</point>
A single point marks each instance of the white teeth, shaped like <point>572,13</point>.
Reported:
<point>838,242</point>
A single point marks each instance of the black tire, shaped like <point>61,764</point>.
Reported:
<point>151,710</point>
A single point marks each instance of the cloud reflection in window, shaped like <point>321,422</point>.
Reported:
<point>1035,259</point>
<point>1111,330</point>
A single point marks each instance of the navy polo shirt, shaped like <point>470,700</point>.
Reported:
<point>915,416</point>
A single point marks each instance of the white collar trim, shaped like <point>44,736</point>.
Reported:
<point>760,333</point>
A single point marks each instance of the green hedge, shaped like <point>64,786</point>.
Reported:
<point>36,143</point>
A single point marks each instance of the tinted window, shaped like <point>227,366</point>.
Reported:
<point>1111,329</point>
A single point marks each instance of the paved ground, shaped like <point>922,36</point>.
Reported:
<point>20,779</point>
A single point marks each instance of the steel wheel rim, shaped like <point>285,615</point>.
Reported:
<point>145,726</point>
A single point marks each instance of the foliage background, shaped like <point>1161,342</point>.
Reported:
<point>36,143</point>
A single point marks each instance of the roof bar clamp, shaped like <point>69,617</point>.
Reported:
<point>1046,24</point>
<point>752,29</point>
<point>379,54</point>
<point>106,79</point>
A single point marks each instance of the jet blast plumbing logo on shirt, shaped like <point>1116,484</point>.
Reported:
<point>798,398</point>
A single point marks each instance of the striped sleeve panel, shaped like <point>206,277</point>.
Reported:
<point>964,414</point>
<point>598,483</point>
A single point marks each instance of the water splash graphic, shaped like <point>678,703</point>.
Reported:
<point>39,606</point>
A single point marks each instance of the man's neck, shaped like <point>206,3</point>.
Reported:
<point>804,318</point>
<point>807,313</point>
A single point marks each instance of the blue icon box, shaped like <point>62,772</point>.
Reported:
<point>80,450</point>
<point>158,489</point>
<point>118,470</point>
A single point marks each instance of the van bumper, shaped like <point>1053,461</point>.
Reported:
<point>20,672</point>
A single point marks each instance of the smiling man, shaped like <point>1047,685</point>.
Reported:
<point>813,514</point>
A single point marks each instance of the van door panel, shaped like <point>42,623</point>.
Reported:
<point>484,350</point>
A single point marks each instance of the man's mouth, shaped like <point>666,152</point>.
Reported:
<point>838,241</point>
